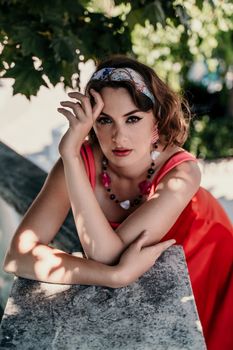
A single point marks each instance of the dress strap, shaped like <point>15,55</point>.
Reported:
<point>172,162</point>
<point>89,162</point>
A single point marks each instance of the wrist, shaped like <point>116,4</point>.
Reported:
<point>70,158</point>
<point>118,278</point>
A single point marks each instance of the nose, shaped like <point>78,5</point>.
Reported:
<point>118,136</point>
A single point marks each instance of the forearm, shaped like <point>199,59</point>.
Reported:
<point>46,264</point>
<point>98,239</point>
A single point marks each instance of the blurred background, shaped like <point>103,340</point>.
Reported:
<point>50,47</point>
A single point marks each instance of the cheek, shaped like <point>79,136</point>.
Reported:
<point>142,132</point>
<point>103,134</point>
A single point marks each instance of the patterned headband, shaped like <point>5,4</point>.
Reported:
<point>123,74</point>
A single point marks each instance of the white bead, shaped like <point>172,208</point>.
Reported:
<point>154,154</point>
<point>125,204</point>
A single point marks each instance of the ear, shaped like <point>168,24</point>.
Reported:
<point>155,134</point>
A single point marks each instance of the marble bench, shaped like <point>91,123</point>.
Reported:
<point>156,312</point>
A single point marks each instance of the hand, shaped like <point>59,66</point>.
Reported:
<point>136,259</point>
<point>81,120</point>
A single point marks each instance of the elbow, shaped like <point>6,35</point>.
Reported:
<point>120,279</point>
<point>110,261</point>
<point>15,255</point>
<point>10,263</point>
<point>111,258</point>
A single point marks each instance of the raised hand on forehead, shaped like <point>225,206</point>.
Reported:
<point>81,118</point>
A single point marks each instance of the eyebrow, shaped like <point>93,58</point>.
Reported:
<point>125,115</point>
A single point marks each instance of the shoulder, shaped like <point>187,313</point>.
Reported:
<point>184,177</point>
<point>188,168</point>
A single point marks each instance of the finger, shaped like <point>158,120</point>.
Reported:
<point>76,95</point>
<point>99,103</point>
<point>76,107</point>
<point>85,102</point>
<point>161,247</point>
<point>71,118</point>
<point>142,238</point>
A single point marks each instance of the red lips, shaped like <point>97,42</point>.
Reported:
<point>121,152</point>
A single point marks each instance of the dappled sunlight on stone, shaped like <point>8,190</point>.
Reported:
<point>51,290</point>
<point>199,326</point>
<point>187,298</point>
<point>86,317</point>
<point>14,309</point>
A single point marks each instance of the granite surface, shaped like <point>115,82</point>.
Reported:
<point>156,312</point>
<point>20,182</point>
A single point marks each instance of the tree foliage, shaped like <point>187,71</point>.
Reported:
<point>43,42</point>
<point>204,33</point>
<point>50,38</point>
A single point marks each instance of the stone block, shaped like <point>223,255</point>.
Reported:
<point>156,312</point>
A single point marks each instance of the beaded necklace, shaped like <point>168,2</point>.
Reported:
<point>144,186</point>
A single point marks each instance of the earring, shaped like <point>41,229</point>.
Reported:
<point>155,138</point>
<point>154,154</point>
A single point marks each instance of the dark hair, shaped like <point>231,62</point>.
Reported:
<point>171,111</point>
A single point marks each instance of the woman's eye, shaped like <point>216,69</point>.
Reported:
<point>104,120</point>
<point>133,119</point>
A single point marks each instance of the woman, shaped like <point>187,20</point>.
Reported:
<point>131,186</point>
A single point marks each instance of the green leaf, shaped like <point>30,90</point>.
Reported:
<point>27,79</point>
<point>64,49</point>
<point>52,70</point>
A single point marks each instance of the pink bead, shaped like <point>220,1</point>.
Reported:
<point>145,187</point>
<point>106,180</point>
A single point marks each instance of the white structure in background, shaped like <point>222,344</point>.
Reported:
<point>34,128</point>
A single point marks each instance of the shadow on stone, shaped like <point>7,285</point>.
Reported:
<point>149,314</point>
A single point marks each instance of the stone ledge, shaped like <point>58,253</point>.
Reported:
<point>20,182</point>
<point>156,312</point>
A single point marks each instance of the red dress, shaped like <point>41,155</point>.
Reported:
<point>206,234</point>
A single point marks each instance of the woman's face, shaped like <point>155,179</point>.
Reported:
<point>124,132</point>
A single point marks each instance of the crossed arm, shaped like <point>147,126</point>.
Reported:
<point>30,256</point>
<point>99,240</point>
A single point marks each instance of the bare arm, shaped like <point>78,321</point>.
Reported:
<point>42,263</point>
<point>99,240</point>
<point>46,264</point>
<point>30,257</point>
<point>161,211</point>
